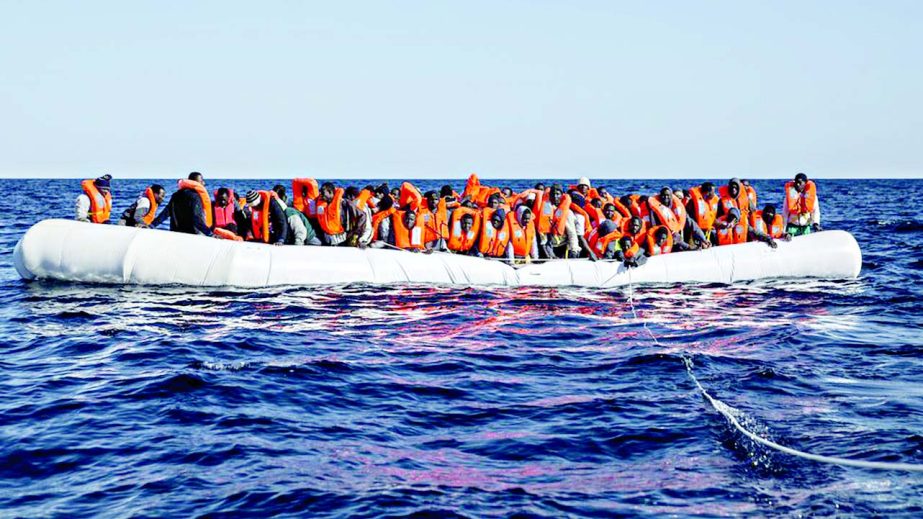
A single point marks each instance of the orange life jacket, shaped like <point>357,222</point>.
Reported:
<point>484,194</point>
<point>405,238</point>
<point>304,196</point>
<point>595,215</point>
<point>551,220</point>
<point>674,218</point>
<point>521,237</point>
<point>459,241</point>
<point>259,218</point>
<point>362,201</point>
<point>705,210</point>
<point>100,204</point>
<point>638,238</point>
<point>438,226</point>
<point>600,244</point>
<point>632,251</point>
<point>801,203</point>
<point>494,241</point>
<point>620,207</point>
<point>734,234</point>
<point>586,218</point>
<point>224,216</point>
<point>411,196</point>
<point>591,194</point>
<point>751,196</point>
<point>776,230</point>
<point>329,216</point>
<point>203,196</point>
<point>152,212</point>
<point>639,207</point>
<point>377,219</point>
<point>472,186</point>
<point>742,203</point>
<point>652,248</point>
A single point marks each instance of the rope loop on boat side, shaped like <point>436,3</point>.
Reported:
<point>729,412</point>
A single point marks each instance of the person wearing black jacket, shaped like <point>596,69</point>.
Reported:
<point>185,211</point>
<point>278,222</point>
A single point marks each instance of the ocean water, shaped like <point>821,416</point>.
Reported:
<point>433,401</point>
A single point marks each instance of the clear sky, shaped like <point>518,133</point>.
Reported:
<point>440,89</point>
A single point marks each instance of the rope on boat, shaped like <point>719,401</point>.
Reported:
<point>729,413</point>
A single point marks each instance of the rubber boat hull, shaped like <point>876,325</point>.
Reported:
<point>67,250</point>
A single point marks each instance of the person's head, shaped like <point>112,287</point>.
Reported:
<point>625,200</point>
<point>497,218</point>
<point>446,191</point>
<point>583,185</point>
<point>506,192</point>
<point>745,182</point>
<point>279,190</point>
<point>733,215</point>
<point>665,196</point>
<point>396,193</point>
<point>603,192</point>
<point>382,190</point>
<point>769,212</point>
<point>195,176</point>
<point>801,180</point>
<point>351,193</point>
<point>525,216</point>
<point>707,189</point>
<point>540,186</point>
<point>679,193</point>
<point>102,183</point>
<point>626,243</point>
<point>609,211</point>
<point>597,203</point>
<point>660,236</point>
<point>431,200</point>
<point>254,200</point>
<point>635,225</point>
<point>327,190</point>
<point>606,227</point>
<point>385,202</point>
<point>410,218</point>
<point>467,222</point>
<point>555,194</point>
<point>159,193</point>
<point>222,197</point>
<point>493,201</point>
<point>734,187</point>
<point>468,203</point>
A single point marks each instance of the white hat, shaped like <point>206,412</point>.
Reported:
<point>584,182</point>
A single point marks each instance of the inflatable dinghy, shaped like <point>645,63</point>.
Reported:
<point>66,250</point>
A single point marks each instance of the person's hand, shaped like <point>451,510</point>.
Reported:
<point>704,245</point>
<point>362,245</point>
<point>772,243</point>
<point>427,251</point>
<point>786,237</point>
<point>815,227</point>
<point>278,244</point>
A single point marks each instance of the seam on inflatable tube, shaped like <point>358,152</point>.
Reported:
<point>211,264</point>
<point>128,262</point>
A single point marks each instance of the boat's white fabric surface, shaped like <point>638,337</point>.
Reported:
<point>74,251</point>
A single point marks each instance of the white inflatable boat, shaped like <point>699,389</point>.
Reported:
<point>81,252</point>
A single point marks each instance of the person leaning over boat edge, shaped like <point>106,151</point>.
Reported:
<point>189,208</point>
<point>800,207</point>
<point>272,217</point>
<point>143,211</point>
<point>95,203</point>
<point>300,231</point>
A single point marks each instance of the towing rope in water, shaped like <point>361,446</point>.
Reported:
<point>728,412</point>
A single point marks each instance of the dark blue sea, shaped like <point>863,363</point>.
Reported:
<point>370,401</point>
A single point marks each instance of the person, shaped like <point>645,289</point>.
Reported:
<point>556,224</point>
<point>604,239</point>
<point>335,215</point>
<point>144,210</point>
<point>583,186</point>
<point>659,241</point>
<point>225,210</point>
<point>299,230</point>
<point>630,253</point>
<point>495,235</point>
<point>268,222</point>
<point>636,229</point>
<point>95,203</point>
<point>769,223</point>
<point>703,206</point>
<point>189,208</point>
<point>464,229</point>
<point>800,209</point>
<point>523,245</point>
<point>733,196</point>
<point>359,201</point>
<point>407,232</point>
<point>611,213</point>
<point>667,210</point>
<point>506,192</point>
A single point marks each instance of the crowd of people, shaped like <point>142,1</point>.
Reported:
<point>541,223</point>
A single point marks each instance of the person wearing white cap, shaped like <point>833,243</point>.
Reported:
<point>583,185</point>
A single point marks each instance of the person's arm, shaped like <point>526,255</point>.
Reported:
<point>510,254</point>
<point>82,208</point>
<point>815,217</point>
<point>785,210</point>
<point>761,236</point>
<point>279,223</point>
<point>142,206</point>
<point>164,214</point>
<point>570,230</point>
<point>534,251</point>
<point>298,228</point>
<point>692,227</point>
<point>198,219</point>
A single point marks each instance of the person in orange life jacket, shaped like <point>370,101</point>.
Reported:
<point>702,206</point>
<point>436,219</point>
<point>300,231</point>
<point>414,230</point>
<point>769,223</point>
<point>520,232</point>
<point>732,229</point>
<point>495,236</point>
<point>225,205</point>
<point>96,210</point>
<point>336,231</point>
<point>659,242</point>
<point>733,195</point>
<point>581,225</point>
<point>605,239</point>
<point>635,229</point>
<point>631,254</point>
<point>604,193</point>
<point>189,208</point>
<point>679,225</point>
<point>506,192</point>
<point>583,186</point>
<point>143,212</point>
<point>278,223</point>
<point>361,224</point>
<point>466,231</point>
<point>610,213</point>
<point>540,186</point>
<point>551,244</point>
<point>800,208</point>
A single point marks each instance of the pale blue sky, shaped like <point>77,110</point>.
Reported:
<point>440,89</point>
